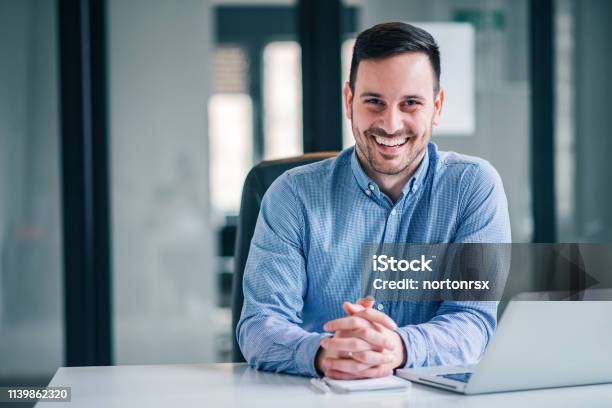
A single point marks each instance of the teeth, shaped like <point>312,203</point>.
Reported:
<point>394,141</point>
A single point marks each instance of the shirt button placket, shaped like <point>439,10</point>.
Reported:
<point>392,226</point>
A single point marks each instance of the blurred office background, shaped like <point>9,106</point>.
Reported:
<point>195,92</point>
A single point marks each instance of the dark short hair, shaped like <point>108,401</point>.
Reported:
<point>389,39</point>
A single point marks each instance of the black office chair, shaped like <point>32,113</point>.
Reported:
<point>257,182</point>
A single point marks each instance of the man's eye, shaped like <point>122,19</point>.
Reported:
<point>374,101</point>
<point>411,102</point>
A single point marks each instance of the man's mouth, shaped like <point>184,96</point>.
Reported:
<point>390,142</point>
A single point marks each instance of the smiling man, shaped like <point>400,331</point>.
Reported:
<point>393,186</point>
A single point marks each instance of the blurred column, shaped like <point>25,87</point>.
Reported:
<point>319,28</point>
<point>542,120</point>
<point>86,217</point>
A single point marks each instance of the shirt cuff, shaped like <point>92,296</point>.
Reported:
<point>415,344</point>
<point>306,353</point>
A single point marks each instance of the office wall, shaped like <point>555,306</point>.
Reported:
<point>163,271</point>
<point>502,91</point>
<point>31,323</point>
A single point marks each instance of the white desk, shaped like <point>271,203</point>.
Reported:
<point>237,385</point>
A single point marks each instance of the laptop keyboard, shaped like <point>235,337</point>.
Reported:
<point>463,377</point>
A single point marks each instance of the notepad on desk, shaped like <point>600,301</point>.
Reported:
<point>371,384</point>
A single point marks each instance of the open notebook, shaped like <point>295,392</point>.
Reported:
<point>371,384</point>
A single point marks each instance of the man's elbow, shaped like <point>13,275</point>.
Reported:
<point>251,346</point>
<point>262,353</point>
<point>241,339</point>
<point>485,322</point>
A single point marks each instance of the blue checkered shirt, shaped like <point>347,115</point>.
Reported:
<point>304,259</point>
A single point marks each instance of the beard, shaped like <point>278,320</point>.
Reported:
<point>378,162</point>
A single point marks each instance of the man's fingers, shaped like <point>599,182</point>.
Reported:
<point>345,365</point>
<point>351,344</point>
<point>376,372</point>
<point>366,302</point>
<point>346,323</point>
<point>375,338</point>
<point>372,358</point>
<point>343,334</point>
<point>351,308</point>
<point>374,316</point>
<point>361,304</point>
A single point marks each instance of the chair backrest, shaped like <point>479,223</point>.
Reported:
<point>256,184</point>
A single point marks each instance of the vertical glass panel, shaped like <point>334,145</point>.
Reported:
<point>230,116</point>
<point>159,56</point>
<point>231,148</point>
<point>31,314</point>
<point>282,100</point>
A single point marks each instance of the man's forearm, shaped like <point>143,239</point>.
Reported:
<point>456,337</point>
<point>274,344</point>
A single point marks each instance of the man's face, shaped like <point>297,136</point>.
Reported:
<point>393,111</point>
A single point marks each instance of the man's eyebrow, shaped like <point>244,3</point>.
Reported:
<point>377,95</point>
<point>413,97</point>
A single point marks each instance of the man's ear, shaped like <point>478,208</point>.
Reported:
<point>438,104</point>
<point>348,100</point>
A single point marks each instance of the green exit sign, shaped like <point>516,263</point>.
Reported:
<point>482,20</point>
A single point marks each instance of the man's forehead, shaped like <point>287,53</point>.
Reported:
<point>409,73</point>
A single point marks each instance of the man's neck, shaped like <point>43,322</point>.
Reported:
<point>393,184</point>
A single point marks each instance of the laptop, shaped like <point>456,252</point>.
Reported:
<point>537,344</point>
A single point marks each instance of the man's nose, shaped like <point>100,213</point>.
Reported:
<point>392,121</point>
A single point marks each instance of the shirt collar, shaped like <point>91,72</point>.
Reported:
<point>369,187</point>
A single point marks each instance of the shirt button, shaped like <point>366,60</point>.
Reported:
<point>415,188</point>
<point>372,187</point>
<point>380,306</point>
<point>368,192</point>
<point>393,212</point>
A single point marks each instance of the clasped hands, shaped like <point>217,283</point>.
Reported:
<point>365,344</point>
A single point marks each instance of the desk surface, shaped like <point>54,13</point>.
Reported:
<point>237,385</point>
